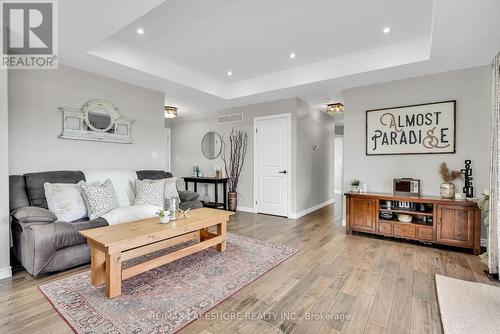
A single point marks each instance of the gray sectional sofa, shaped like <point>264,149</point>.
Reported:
<point>42,243</point>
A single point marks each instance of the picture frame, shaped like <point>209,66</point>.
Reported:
<point>427,128</point>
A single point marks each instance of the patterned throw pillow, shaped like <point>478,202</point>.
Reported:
<point>100,199</point>
<point>149,192</point>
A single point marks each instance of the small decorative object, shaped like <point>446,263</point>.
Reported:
<point>238,144</point>
<point>96,120</point>
<point>417,129</point>
<point>405,218</point>
<point>164,216</point>
<point>364,188</point>
<point>460,196</point>
<point>355,185</point>
<point>172,206</point>
<point>335,108</point>
<point>468,188</point>
<point>170,112</point>
<point>198,172</point>
<point>183,213</point>
<point>448,187</point>
<point>218,172</point>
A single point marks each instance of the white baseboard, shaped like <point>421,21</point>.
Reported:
<point>245,209</point>
<point>484,242</point>
<point>5,272</point>
<point>302,213</point>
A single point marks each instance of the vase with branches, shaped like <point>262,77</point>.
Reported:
<point>449,177</point>
<point>234,161</point>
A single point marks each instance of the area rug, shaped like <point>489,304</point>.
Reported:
<point>165,299</point>
<point>468,307</point>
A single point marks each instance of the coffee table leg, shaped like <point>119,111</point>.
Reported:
<point>113,275</point>
<point>221,230</point>
<point>97,266</point>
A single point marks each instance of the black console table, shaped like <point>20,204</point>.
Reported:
<point>211,180</point>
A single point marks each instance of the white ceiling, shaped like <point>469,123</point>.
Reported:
<point>189,45</point>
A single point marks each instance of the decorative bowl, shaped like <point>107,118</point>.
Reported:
<point>404,218</point>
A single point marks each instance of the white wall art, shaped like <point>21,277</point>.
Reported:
<point>417,129</point>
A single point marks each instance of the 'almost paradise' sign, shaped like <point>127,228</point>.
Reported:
<point>419,129</point>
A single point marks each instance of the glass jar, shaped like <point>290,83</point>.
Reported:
<point>172,206</point>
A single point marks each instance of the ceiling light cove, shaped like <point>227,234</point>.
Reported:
<point>387,30</point>
<point>229,73</point>
<point>292,55</point>
<point>140,31</point>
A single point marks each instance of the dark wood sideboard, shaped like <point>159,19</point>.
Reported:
<point>435,220</point>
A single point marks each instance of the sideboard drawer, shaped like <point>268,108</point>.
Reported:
<point>404,230</point>
<point>385,228</point>
<point>424,233</point>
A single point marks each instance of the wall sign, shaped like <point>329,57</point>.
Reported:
<point>418,129</point>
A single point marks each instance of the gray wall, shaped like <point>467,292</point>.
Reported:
<point>309,169</point>
<point>315,168</point>
<point>472,90</point>
<point>4,180</point>
<point>35,123</point>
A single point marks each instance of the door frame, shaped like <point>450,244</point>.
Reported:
<point>288,117</point>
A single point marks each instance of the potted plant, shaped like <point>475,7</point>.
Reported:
<point>448,176</point>
<point>355,185</point>
<point>233,163</point>
<point>164,216</point>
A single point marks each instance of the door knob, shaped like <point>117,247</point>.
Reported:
<point>283,172</point>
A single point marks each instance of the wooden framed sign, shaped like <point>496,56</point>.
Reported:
<point>417,129</point>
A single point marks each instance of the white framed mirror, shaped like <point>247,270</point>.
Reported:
<point>96,120</point>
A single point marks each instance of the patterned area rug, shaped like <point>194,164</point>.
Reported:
<point>165,299</point>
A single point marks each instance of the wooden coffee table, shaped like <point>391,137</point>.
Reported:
<point>111,245</point>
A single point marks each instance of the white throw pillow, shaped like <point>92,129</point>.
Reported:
<point>149,192</point>
<point>171,187</point>
<point>66,201</point>
<point>100,199</point>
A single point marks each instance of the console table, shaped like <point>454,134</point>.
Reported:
<point>210,180</point>
<point>433,219</point>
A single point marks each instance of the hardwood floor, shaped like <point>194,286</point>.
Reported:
<point>336,283</point>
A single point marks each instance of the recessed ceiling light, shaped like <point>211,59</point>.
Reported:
<point>387,30</point>
<point>140,31</point>
<point>229,73</point>
<point>292,55</point>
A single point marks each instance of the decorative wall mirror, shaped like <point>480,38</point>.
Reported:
<point>211,145</point>
<point>97,120</point>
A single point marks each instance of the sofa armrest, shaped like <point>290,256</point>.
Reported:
<point>33,214</point>
<point>187,196</point>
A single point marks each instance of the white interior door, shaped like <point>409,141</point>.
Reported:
<point>272,141</point>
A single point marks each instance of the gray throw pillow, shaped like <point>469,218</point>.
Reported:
<point>100,199</point>
<point>149,192</point>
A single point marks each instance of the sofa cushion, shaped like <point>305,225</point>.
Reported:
<point>127,214</point>
<point>35,181</point>
<point>187,196</point>
<point>66,201</point>
<point>30,214</point>
<point>153,174</point>
<point>100,199</point>
<point>18,195</point>
<point>123,181</point>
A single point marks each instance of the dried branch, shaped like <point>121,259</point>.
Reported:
<point>238,145</point>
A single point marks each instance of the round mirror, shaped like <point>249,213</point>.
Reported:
<point>211,145</point>
<point>100,115</point>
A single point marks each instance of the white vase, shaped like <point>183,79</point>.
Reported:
<point>165,219</point>
<point>447,190</point>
